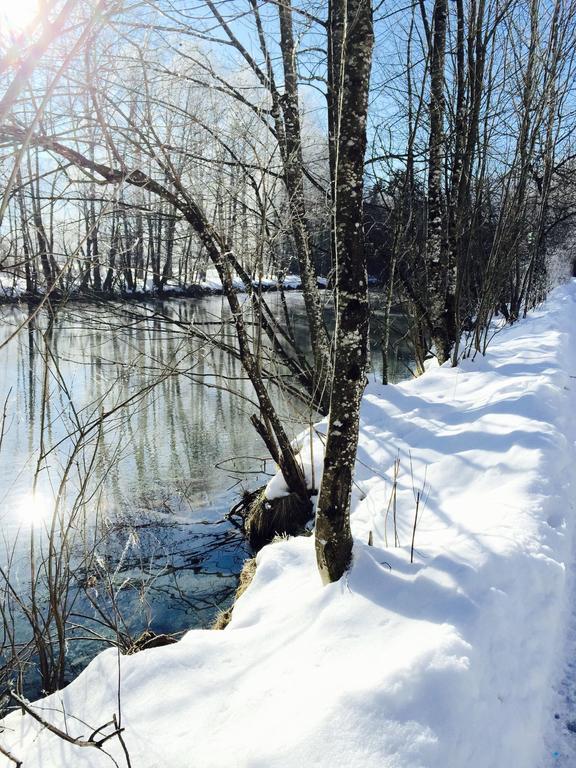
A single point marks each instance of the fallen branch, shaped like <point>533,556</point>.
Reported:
<point>10,756</point>
<point>91,741</point>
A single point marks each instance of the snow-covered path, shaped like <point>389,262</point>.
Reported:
<point>560,737</point>
<point>560,717</point>
<point>446,662</point>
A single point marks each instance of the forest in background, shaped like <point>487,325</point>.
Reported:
<point>469,169</point>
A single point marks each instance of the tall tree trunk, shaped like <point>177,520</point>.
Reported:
<point>351,32</point>
<point>41,236</point>
<point>436,246</point>
<point>26,247</point>
<point>293,169</point>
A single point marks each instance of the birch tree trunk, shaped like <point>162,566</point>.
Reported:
<point>293,169</point>
<point>351,32</point>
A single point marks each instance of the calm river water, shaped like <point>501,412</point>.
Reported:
<point>148,486</point>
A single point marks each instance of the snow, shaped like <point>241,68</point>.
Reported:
<point>174,286</point>
<point>456,659</point>
<point>291,282</point>
<point>215,284</point>
<point>11,287</point>
<point>14,287</point>
<point>265,282</point>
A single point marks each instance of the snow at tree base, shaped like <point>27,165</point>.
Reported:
<point>456,660</point>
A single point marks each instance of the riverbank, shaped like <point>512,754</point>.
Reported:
<point>14,291</point>
<point>446,661</point>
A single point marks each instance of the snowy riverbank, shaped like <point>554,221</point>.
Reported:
<point>446,662</point>
<point>13,289</point>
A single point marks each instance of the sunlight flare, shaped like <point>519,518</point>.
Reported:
<point>16,15</point>
<point>34,508</point>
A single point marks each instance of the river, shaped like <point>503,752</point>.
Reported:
<point>139,496</point>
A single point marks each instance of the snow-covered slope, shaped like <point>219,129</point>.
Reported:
<point>446,662</point>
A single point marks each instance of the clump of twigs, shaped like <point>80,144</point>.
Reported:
<point>241,510</point>
<point>419,500</point>
<point>246,575</point>
<point>149,639</point>
<point>392,504</point>
<point>267,518</point>
<point>420,494</point>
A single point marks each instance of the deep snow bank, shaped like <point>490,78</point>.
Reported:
<point>443,663</point>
